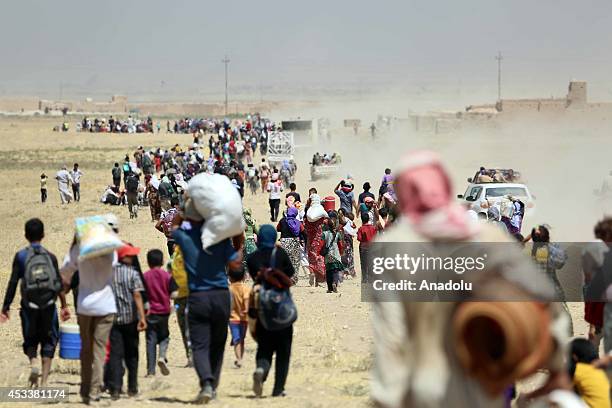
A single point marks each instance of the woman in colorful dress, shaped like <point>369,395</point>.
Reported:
<point>315,216</point>
<point>290,229</point>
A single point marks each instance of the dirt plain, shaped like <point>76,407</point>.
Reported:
<point>332,341</point>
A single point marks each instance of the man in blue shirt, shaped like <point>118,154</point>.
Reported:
<point>209,299</point>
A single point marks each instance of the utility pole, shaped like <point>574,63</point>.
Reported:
<point>226,61</point>
<point>499,59</point>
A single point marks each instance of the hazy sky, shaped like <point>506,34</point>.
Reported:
<point>131,46</point>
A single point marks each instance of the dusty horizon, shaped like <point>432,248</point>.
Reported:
<point>445,52</point>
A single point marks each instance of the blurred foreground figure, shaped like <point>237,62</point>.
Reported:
<point>461,354</point>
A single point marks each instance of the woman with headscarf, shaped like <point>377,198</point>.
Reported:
<point>332,236</point>
<point>157,160</point>
<point>313,225</point>
<point>165,192</point>
<point>264,175</point>
<point>416,344</point>
<point>349,231</point>
<point>290,201</point>
<point>285,173</point>
<point>389,199</point>
<point>180,182</point>
<point>153,197</point>
<point>290,229</point>
<point>250,233</point>
<point>248,152</point>
<point>270,342</point>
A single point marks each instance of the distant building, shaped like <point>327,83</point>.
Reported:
<point>576,99</point>
<point>117,104</point>
<point>575,105</point>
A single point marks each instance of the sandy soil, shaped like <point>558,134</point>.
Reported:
<point>331,355</point>
<point>332,341</point>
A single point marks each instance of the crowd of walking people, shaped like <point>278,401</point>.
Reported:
<point>224,287</point>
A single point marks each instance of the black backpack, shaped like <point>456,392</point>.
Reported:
<point>276,311</point>
<point>132,184</point>
<point>41,282</point>
<point>116,173</point>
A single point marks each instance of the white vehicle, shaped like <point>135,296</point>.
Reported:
<point>480,196</point>
<point>323,171</point>
<point>280,147</point>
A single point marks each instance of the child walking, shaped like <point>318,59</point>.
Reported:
<point>129,321</point>
<point>160,287</point>
<point>179,277</point>
<point>238,322</point>
<point>38,271</point>
<point>43,187</point>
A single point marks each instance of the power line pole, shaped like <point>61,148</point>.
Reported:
<point>226,61</point>
<point>499,59</point>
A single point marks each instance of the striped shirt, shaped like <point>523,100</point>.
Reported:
<point>126,281</point>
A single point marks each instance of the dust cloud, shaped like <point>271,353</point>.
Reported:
<point>562,159</point>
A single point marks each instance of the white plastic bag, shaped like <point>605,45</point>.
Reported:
<point>217,200</point>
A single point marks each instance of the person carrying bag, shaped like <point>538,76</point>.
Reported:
<point>272,311</point>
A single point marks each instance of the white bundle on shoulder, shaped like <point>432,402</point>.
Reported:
<point>315,211</point>
<point>218,202</point>
<point>350,229</point>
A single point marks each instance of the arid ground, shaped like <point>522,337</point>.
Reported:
<point>331,353</point>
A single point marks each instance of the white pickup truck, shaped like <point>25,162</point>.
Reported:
<point>323,171</point>
<point>480,196</point>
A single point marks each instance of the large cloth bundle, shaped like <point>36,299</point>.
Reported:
<point>506,207</point>
<point>218,202</point>
<point>95,237</point>
<point>316,210</point>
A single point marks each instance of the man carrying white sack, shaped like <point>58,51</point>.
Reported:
<point>95,306</point>
<point>208,251</point>
<point>63,183</point>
